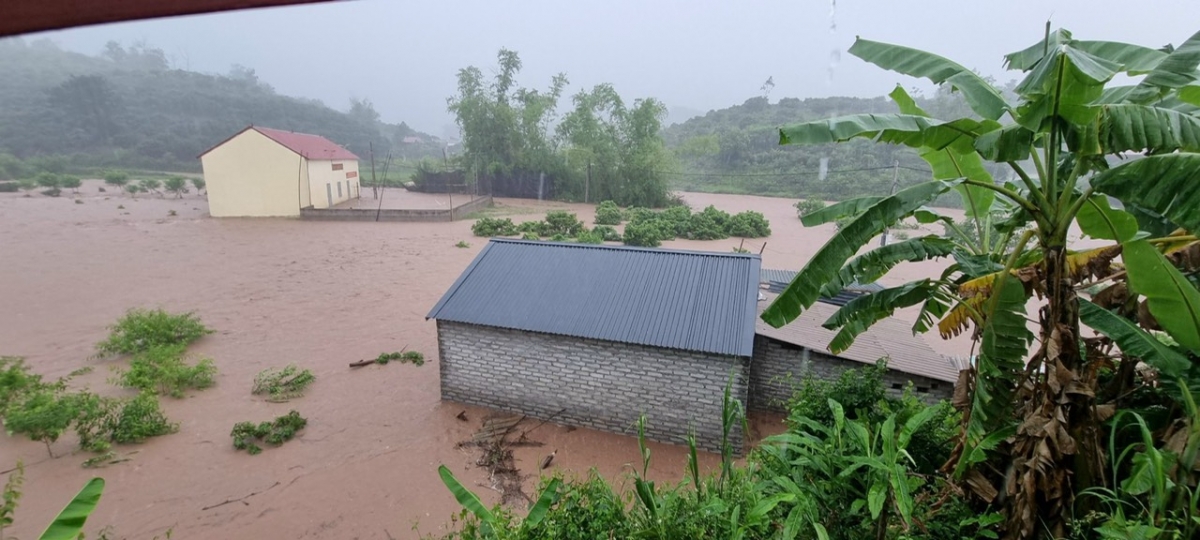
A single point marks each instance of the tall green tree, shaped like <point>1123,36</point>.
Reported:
<point>1031,438</point>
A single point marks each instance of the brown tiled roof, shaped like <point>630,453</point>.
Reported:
<point>890,337</point>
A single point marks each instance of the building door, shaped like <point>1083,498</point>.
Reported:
<point>329,194</point>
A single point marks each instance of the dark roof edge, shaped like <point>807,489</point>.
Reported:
<point>633,248</point>
<point>458,283</point>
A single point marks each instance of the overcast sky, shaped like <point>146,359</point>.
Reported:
<point>403,55</point>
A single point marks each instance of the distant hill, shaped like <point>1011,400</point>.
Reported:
<point>127,107</point>
<point>736,150</point>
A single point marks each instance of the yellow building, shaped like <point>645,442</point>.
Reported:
<point>262,172</point>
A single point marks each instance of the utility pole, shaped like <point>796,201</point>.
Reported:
<point>587,183</point>
<point>374,180</point>
<point>895,180</point>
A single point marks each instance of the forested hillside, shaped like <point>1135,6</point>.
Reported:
<point>129,108</point>
<point>737,149</point>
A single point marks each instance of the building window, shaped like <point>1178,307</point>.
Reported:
<point>339,190</point>
<point>337,166</point>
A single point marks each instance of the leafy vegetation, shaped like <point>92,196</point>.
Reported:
<point>491,227</point>
<point>462,244</point>
<point>841,475</point>
<point>805,207</point>
<point>601,149</point>
<point>247,435</point>
<point>408,357</point>
<point>648,228</point>
<point>282,384</point>
<point>141,330</point>
<point>176,185</point>
<point>68,525</point>
<point>1036,418</point>
<point>608,213</point>
<point>162,370</point>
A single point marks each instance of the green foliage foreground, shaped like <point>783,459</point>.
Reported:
<point>841,474</point>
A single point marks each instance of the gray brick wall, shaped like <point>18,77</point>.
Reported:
<point>778,369</point>
<point>596,384</point>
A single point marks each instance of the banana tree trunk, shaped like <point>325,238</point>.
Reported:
<point>1057,449</point>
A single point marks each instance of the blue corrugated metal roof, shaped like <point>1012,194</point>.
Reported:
<point>687,300</point>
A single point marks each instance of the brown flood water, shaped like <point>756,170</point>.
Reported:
<point>279,291</point>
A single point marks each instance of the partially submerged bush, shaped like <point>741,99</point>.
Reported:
<point>708,225</point>
<point>282,384</point>
<point>409,357</point>
<point>608,234</point>
<point>138,419</point>
<point>42,414</point>
<point>748,224</point>
<point>805,207</point>
<point>246,435</point>
<point>489,227</point>
<point>608,213</point>
<point>141,330</point>
<point>559,222</point>
<point>644,234</point>
<point>590,237</point>
<point>163,370</point>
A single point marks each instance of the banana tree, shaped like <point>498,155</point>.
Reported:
<point>1031,434</point>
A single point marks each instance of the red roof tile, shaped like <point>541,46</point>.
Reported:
<point>309,146</point>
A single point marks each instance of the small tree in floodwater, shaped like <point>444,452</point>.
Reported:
<point>176,185</point>
<point>198,183</point>
<point>119,179</point>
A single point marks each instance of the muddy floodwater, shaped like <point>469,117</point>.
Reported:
<point>280,291</point>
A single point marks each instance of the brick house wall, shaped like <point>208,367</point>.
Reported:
<point>779,368</point>
<point>595,384</point>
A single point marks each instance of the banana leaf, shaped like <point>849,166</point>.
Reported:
<point>68,525</point>
<point>826,264</point>
<point>1172,299</point>
<point>1168,185</point>
<point>980,95</point>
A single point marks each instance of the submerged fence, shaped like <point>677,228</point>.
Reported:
<point>395,214</point>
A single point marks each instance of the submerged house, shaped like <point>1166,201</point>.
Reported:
<point>263,172</point>
<point>597,335</point>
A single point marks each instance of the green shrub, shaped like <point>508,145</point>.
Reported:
<point>805,207</point>
<point>559,222</point>
<point>48,180</point>
<point>462,244</point>
<point>176,185</point>
<point>410,357</point>
<point>608,213</point>
<point>537,228</point>
<point>862,394</point>
<point>608,234</point>
<point>149,185</point>
<point>590,237</point>
<point>42,414</point>
<point>560,238</point>
<point>748,224</point>
<point>140,330</point>
<point>490,227</point>
<point>643,234</point>
<point>9,187</point>
<point>198,183</point>
<point>15,381</point>
<point>708,225</point>
<point>138,419</point>
<point>246,435</point>
<point>27,184</point>
<point>162,370</point>
<point>640,215</point>
<point>530,236</point>
<point>676,220</point>
<point>282,384</point>
<point>72,183</point>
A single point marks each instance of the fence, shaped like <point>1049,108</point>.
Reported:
<point>395,214</point>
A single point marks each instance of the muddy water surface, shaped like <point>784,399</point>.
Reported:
<point>278,291</point>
